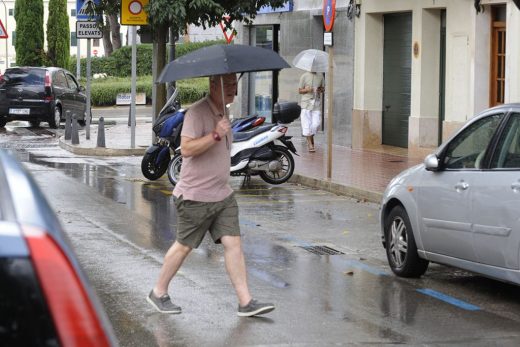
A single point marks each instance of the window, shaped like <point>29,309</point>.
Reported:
<point>59,80</point>
<point>73,39</point>
<point>466,151</point>
<point>13,38</point>
<point>11,11</point>
<point>95,42</point>
<point>507,155</point>
<point>73,12</point>
<point>72,82</point>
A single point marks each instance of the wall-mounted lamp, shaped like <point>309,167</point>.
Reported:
<point>354,8</point>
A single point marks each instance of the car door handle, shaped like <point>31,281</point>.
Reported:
<point>461,186</point>
<point>516,187</point>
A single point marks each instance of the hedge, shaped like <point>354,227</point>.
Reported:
<point>104,91</point>
<point>119,64</point>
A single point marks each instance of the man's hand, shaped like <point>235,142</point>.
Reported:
<point>223,126</point>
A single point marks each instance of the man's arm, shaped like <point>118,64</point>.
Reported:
<point>193,147</point>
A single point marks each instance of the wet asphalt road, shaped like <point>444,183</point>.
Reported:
<point>120,225</point>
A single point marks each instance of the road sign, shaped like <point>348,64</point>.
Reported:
<point>133,13</point>
<point>329,12</point>
<point>229,37</point>
<point>88,30</point>
<point>3,32</point>
<point>85,9</point>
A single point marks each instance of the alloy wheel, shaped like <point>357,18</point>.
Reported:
<point>398,241</point>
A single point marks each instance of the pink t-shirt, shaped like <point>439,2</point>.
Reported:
<point>205,177</point>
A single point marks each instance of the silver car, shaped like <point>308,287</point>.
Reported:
<point>461,207</point>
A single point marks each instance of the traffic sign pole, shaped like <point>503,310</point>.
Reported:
<point>329,12</point>
<point>134,83</point>
<point>88,90</point>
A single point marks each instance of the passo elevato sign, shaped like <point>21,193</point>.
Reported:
<point>88,30</point>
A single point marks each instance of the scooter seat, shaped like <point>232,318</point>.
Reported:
<point>246,135</point>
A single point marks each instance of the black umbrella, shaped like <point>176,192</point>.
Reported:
<point>221,60</point>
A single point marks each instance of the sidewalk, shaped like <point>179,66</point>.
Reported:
<point>361,174</point>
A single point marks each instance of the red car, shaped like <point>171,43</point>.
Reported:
<point>45,299</point>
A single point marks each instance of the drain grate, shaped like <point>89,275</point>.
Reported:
<point>322,250</point>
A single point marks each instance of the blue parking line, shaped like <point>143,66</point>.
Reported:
<point>449,299</point>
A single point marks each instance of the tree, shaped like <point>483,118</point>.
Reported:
<point>110,25</point>
<point>58,41</point>
<point>29,32</point>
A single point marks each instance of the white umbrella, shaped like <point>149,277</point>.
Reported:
<point>312,60</point>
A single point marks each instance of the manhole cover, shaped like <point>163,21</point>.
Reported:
<point>322,250</point>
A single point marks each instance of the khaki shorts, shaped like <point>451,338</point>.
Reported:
<point>195,218</point>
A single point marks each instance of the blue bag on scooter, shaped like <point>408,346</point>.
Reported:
<point>171,123</point>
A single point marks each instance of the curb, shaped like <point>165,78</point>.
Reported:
<point>99,151</point>
<point>337,188</point>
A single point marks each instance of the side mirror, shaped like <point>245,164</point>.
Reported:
<point>431,162</point>
<point>81,89</point>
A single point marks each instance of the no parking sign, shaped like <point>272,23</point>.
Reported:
<point>329,12</point>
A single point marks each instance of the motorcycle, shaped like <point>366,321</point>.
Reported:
<point>167,129</point>
<point>264,150</point>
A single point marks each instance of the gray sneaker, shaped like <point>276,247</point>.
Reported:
<point>163,304</point>
<point>254,308</point>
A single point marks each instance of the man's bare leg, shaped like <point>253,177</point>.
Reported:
<point>172,262</point>
<point>236,267</point>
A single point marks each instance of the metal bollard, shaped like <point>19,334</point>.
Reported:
<point>101,132</point>
<point>68,125</point>
<point>75,130</point>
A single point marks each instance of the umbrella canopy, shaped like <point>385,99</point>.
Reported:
<point>220,60</point>
<point>312,60</point>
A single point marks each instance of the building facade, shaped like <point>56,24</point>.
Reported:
<point>289,30</point>
<point>424,67</point>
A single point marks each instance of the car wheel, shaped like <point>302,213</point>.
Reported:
<point>34,123</point>
<point>3,122</point>
<point>56,117</point>
<point>83,121</point>
<point>401,249</point>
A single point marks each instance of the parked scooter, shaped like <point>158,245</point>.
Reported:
<point>167,128</point>
<point>264,150</point>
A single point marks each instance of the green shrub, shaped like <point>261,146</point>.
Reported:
<point>104,91</point>
<point>119,64</point>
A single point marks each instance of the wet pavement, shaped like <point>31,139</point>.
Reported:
<point>362,174</point>
<point>121,224</point>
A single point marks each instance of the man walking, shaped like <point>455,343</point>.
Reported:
<point>204,199</point>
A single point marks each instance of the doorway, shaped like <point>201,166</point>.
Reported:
<point>397,77</point>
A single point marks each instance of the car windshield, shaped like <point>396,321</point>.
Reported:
<point>24,77</point>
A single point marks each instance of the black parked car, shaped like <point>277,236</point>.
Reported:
<point>40,94</point>
<point>45,299</point>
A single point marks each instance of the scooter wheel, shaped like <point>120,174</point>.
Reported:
<point>151,169</point>
<point>174,169</point>
<point>286,169</point>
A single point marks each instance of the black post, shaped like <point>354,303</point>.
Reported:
<point>75,130</point>
<point>68,125</point>
<point>101,132</point>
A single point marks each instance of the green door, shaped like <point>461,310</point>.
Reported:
<point>397,72</point>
